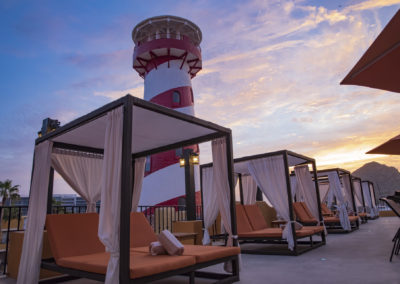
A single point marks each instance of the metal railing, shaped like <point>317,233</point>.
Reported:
<point>162,217</point>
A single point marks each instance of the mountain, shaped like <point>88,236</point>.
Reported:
<point>386,179</point>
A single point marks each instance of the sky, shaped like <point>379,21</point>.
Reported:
<point>271,73</point>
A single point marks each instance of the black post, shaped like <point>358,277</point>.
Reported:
<point>202,199</point>
<point>362,195</point>
<point>289,194</point>
<point>259,195</point>
<point>240,189</point>
<point>50,191</point>
<point>231,179</point>
<point>126,192</point>
<point>352,198</point>
<point>321,218</point>
<point>189,186</point>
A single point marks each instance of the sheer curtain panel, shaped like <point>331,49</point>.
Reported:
<point>305,185</point>
<point>221,184</point>
<point>269,174</point>
<point>82,172</point>
<point>249,190</point>
<point>31,256</point>
<point>111,192</point>
<point>209,202</point>
<point>336,187</point>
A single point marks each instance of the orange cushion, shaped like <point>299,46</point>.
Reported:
<point>331,220</point>
<point>73,234</point>
<point>141,265</point>
<point>362,215</point>
<point>255,217</point>
<point>242,222</point>
<point>267,233</point>
<point>301,214</point>
<point>201,253</point>
<point>325,209</point>
<point>353,218</point>
<point>142,233</point>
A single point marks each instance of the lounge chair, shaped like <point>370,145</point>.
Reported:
<point>332,223</point>
<point>78,251</point>
<point>352,218</point>
<point>251,227</point>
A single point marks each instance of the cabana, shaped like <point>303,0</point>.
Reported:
<point>360,199</point>
<point>337,189</point>
<point>270,172</point>
<point>124,132</point>
<point>370,201</point>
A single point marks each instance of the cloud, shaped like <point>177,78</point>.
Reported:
<point>137,91</point>
<point>282,89</point>
<point>371,5</point>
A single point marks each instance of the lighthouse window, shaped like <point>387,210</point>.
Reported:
<point>176,97</point>
<point>191,94</point>
<point>148,164</point>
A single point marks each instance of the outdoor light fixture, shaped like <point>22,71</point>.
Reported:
<point>187,160</point>
<point>193,160</point>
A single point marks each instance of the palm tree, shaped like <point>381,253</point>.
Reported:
<point>8,191</point>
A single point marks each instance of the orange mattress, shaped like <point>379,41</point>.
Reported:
<point>141,264</point>
<point>201,253</point>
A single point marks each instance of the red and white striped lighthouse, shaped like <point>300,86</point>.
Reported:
<point>167,55</point>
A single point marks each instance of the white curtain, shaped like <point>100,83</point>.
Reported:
<point>249,190</point>
<point>109,222</point>
<point>269,174</point>
<point>358,193</point>
<point>82,172</point>
<point>140,165</point>
<point>336,188</point>
<point>323,191</point>
<point>330,197</point>
<point>348,197</point>
<point>209,202</point>
<point>221,184</point>
<point>306,186</point>
<point>374,208</point>
<point>367,197</point>
<point>31,256</point>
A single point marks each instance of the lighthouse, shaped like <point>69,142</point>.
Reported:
<point>167,56</point>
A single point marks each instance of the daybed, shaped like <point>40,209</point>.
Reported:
<point>118,136</point>
<point>75,245</point>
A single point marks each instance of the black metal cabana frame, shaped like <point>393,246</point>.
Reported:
<point>359,180</point>
<point>263,240</point>
<point>337,228</point>
<point>370,183</point>
<point>127,177</point>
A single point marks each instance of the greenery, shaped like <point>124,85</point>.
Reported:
<point>8,191</point>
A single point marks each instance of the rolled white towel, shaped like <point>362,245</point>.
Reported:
<point>156,248</point>
<point>170,243</point>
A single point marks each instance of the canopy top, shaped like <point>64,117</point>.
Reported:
<point>154,129</point>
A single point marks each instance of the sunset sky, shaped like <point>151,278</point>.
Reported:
<point>271,73</point>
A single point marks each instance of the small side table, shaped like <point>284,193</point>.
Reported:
<point>186,237</point>
<point>278,223</point>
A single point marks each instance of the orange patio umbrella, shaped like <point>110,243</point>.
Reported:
<point>379,67</point>
<point>391,147</point>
